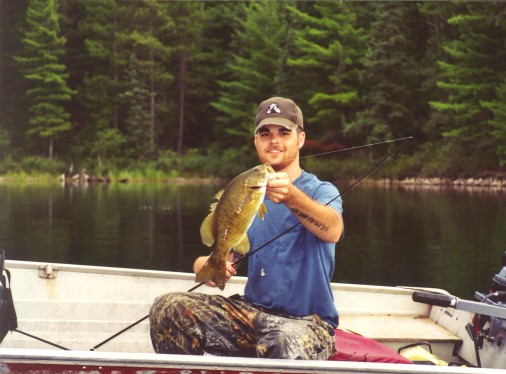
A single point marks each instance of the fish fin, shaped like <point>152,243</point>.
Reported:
<point>242,247</point>
<point>219,194</point>
<point>206,230</point>
<point>214,271</point>
<point>262,210</point>
<point>213,206</point>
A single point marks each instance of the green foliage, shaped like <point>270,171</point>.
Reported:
<point>31,166</point>
<point>255,71</point>
<point>102,24</point>
<point>333,168</point>
<point>138,128</point>
<point>215,163</point>
<point>330,54</point>
<point>212,163</point>
<point>7,164</point>
<point>4,143</point>
<point>170,88</point>
<point>391,75</point>
<point>474,64</point>
<point>40,62</point>
<point>39,164</point>
<point>498,121</point>
<point>108,145</point>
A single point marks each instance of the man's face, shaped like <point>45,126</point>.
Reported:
<point>278,145</point>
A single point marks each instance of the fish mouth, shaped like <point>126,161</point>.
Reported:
<point>258,186</point>
<point>265,172</point>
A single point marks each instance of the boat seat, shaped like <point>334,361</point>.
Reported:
<point>396,331</point>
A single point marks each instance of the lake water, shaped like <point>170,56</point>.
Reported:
<point>444,238</point>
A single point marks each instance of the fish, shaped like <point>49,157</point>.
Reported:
<point>229,219</point>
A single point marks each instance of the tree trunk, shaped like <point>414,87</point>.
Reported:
<point>50,155</point>
<point>115,73</point>
<point>152,101</point>
<point>182,92</point>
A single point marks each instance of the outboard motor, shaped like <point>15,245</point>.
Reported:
<point>488,327</point>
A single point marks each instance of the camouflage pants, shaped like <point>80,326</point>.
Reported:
<point>194,323</point>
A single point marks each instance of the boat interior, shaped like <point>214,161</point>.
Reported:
<point>82,307</point>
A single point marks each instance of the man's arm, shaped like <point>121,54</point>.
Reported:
<point>322,220</point>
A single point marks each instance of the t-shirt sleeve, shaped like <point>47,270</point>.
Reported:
<point>328,194</point>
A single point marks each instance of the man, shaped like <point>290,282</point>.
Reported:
<point>287,310</point>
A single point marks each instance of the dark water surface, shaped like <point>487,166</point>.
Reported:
<point>445,238</point>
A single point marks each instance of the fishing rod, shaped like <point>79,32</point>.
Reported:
<point>246,256</point>
<point>353,185</point>
<point>237,263</point>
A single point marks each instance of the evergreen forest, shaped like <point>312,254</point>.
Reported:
<point>171,87</point>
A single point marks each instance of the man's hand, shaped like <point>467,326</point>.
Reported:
<point>199,263</point>
<point>278,187</point>
<point>323,221</point>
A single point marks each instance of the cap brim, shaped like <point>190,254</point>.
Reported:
<point>276,121</point>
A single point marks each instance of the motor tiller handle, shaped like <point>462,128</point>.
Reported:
<point>434,299</point>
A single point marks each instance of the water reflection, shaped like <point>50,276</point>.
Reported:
<point>135,225</point>
<point>435,237</point>
<point>447,238</point>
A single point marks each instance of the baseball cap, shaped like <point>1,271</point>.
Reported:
<point>279,111</point>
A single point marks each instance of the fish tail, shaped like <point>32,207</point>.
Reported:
<point>214,271</point>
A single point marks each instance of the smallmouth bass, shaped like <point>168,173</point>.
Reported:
<point>227,224</point>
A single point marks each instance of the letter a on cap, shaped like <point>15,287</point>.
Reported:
<point>273,108</point>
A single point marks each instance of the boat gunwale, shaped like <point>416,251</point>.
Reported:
<point>407,290</point>
<point>217,363</point>
<point>111,358</point>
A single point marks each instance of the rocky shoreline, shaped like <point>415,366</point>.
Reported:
<point>492,183</point>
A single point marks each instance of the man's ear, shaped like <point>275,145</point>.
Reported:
<point>302,139</point>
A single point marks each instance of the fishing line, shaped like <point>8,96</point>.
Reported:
<point>376,167</point>
<point>238,262</point>
<point>358,147</point>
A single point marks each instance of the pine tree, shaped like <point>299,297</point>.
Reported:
<point>435,15</point>
<point>104,65</point>
<point>39,61</point>
<point>498,122</point>
<point>140,142</point>
<point>475,65</point>
<point>391,77</point>
<point>498,105</point>
<point>12,14</point>
<point>143,38</point>
<point>255,71</point>
<point>186,41</point>
<point>126,55</point>
<point>327,62</point>
<point>207,67</point>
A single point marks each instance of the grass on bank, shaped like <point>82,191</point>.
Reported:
<point>430,161</point>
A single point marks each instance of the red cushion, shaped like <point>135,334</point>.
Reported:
<point>354,347</point>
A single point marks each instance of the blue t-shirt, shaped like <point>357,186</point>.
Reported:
<point>292,274</point>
